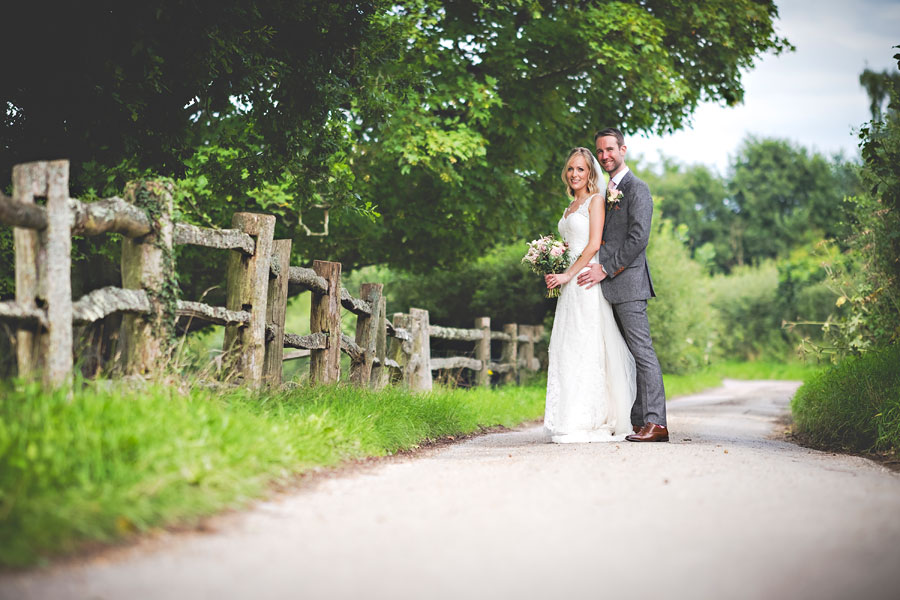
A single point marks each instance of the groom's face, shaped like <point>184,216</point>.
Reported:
<point>610,154</point>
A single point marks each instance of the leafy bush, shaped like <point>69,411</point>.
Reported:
<point>854,405</point>
<point>499,286</point>
<point>496,285</point>
<point>682,319</point>
<point>869,277</point>
<point>746,302</point>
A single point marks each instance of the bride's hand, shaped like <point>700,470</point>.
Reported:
<point>556,279</point>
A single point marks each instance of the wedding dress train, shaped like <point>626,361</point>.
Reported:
<point>591,375</point>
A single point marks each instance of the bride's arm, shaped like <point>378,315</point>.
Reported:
<point>596,214</point>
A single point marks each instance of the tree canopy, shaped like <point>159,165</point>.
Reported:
<point>474,159</point>
<point>431,129</point>
<point>776,196</point>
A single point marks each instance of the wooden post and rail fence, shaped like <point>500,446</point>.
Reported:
<point>257,279</point>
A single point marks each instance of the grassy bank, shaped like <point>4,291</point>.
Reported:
<point>114,460</point>
<point>854,405</point>
<point>110,462</point>
<point>712,376</point>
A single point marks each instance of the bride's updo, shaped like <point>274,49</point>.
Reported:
<point>595,179</point>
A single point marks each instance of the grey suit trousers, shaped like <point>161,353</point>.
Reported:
<point>650,405</point>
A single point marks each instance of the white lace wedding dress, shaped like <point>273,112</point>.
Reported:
<point>591,377</point>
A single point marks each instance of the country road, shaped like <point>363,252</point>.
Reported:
<point>726,510</point>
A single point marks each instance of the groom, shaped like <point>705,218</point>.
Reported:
<point>625,280</point>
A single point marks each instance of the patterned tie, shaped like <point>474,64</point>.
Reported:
<point>611,185</point>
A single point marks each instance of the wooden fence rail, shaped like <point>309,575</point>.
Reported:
<point>257,279</point>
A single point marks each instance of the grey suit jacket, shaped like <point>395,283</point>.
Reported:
<point>626,232</point>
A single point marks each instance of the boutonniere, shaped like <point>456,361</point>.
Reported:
<point>613,197</point>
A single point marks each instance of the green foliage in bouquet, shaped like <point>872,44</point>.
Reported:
<point>548,255</point>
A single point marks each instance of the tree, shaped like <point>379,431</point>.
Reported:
<point>444,122</point>
<point>784,195</point>
<point>148,84</point>
<point>880,88</point>
<point>869,276</point>
<point>244,103</point>
<point>696,198</point>
<point>776,197</point>
<point>508,87</point>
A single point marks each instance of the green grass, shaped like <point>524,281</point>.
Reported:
<point>712,376</point>
<point>854,405</point>
<point>115,459</point>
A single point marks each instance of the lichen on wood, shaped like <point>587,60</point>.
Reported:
<point>313,341</point>
<point>214,314</point>
<point>355,305</point>
<point>103,302</point>
<point>454,333</point>
<point>20,214</point>
<point>111,215</point>
<point>456,362</point>
<point>351,348</point>
<point>11,311</point>
<point>226,239</point>
<point>308,279</point>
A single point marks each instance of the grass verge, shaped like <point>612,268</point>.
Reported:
<point>852,406</point>
<point>712,376</point>
<point>111,460</point>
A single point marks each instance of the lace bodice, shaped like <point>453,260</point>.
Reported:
<point>576,229</point>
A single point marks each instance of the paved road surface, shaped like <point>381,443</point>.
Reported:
<point>726,510</point>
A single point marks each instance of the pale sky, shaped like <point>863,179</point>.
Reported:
<point>810,96</point>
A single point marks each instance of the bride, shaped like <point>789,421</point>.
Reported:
<point>591,377</point>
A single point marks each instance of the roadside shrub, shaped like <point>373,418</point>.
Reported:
<point>747,303</point>
<point>496,285</point>
<point>682,319</point>
<point>854,405</point>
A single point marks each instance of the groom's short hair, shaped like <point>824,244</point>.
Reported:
<point>620,139</point>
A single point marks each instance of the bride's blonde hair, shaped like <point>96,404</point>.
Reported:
<point>594,178</point>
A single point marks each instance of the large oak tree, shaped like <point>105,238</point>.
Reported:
<point>432,129</point>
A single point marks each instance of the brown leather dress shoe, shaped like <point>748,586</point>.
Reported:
<point>651,432</point>
<point>636,428</point>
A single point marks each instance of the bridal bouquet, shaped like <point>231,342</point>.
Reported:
<point>548,255</point>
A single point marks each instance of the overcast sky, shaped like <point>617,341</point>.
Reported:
<point>811,96</point>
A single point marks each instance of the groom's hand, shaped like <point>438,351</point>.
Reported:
<point>594,275</point>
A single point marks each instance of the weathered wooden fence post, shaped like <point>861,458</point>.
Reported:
<point>27,183</point>
<point>247,284</point>
<point>526,352</point>
<point>276,307</point>
<point>325,316</point>
<point>483,351</point>
<point>401,350</point>
<point>537,337</point>
<point>420,362</point>
<point>148,263</point>
<point>367,334</point>
<point>509,353</point>
<point>44,271</point>
<point>380,371</point>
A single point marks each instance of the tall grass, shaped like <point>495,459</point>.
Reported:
<point>712,376</point>
<point>113,459</point>
<point>854,405</point>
